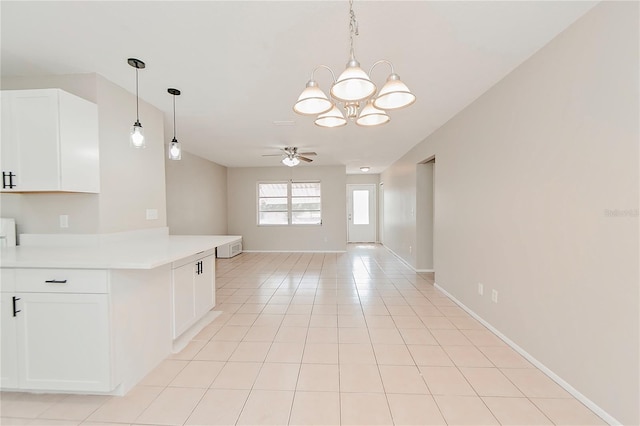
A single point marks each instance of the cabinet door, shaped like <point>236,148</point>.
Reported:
<point>183,298</point>
<point>204,286</point>
<point>8,349</point>
<point>63,342</point>
<point>35,135</point>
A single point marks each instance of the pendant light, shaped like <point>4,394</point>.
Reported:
<point>175,153</point>
<point>136,136</point>
<point>354,92</point>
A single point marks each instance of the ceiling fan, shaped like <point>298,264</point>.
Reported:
<point>291,156</point>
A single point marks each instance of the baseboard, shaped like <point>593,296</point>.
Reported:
<point>401,259</point>
<point>553,376</point>
<point>294,251</point>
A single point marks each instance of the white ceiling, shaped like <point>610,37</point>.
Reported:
<point>241,65</point>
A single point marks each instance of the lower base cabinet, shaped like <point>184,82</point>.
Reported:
<point>193,288</point>
<point>56,339</point>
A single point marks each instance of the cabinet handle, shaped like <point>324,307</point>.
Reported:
<point>6,175</point>
<point>15,305</point>
<point>56,281</point>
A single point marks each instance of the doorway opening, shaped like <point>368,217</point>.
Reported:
<point>425,191</point>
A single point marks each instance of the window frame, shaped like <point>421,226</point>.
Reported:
<point>290,199</point>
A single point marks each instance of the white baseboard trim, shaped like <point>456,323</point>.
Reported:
<point>553,376</point>
<point>399,258</point>
<point>294,251</point>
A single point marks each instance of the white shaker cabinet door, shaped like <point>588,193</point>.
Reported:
<point>63,342</point>
<point>204,283</point>
<point>9,350</point>
<point>183,298</point>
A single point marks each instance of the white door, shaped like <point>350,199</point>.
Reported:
<point>361,213</point>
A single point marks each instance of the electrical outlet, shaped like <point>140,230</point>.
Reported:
<point>64,221</point>
<point>494,296</point>
<point>152,214</point>
<point>480,289</point>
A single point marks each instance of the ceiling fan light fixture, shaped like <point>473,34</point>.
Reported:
<point>290,161</point>
<point>312,100</point>
<point>394,94</point>
<point>332,118</point>
<point>372,116</point>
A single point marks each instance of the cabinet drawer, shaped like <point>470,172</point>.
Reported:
<point>62,280</point>
<point>193,258</point>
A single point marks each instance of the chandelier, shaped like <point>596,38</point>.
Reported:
<point>354,92</point>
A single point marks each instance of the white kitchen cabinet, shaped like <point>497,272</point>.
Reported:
<point>8,349</point>
<point>193,288</point>
<point>55,337</point>
<point>49,142</point>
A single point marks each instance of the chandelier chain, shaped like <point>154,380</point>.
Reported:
<point>353,27</point>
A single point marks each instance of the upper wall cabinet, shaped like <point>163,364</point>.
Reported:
<point>49,142</point>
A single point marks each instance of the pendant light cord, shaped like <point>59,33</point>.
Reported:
<point>353,28</point>
<point>137,108</point>
<point>174,117</point>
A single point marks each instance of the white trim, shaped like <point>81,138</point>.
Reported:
<point>400,258</point>
<point>294,251</point>
<point>546,370</point>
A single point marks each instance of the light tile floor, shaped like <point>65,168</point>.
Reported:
<point>351,338</point>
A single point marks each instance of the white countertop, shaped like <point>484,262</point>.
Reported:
<point>136,253</point>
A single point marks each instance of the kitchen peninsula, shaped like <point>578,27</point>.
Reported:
<point>96,313</point>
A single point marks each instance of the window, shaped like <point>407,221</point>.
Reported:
<point>289,203</point>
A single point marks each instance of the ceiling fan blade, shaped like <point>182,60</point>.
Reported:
<point>307,153</point>
<point>308,160</point>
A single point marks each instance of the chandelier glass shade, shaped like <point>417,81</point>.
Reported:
<point>354,93</point>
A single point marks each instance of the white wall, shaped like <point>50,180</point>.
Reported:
<point>525,178</point>
<point>196,196</point>
<point>131,180</point>
<point>242,214</point>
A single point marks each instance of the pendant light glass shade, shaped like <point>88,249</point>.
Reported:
<point>332,118</point>
<point>353,84</point>
<point>290,161</point>
<point>175,152</point>
<point>372,116</point>
<point>312,100</point>
<point>394,94</point>
<point>136,136</point>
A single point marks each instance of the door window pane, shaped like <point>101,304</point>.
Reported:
<point>360,207</point>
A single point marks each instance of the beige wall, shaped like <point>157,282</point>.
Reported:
<point>131,180</point>
<point>242,215</point>
<point>196,196</point>
<point>525,177</point>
